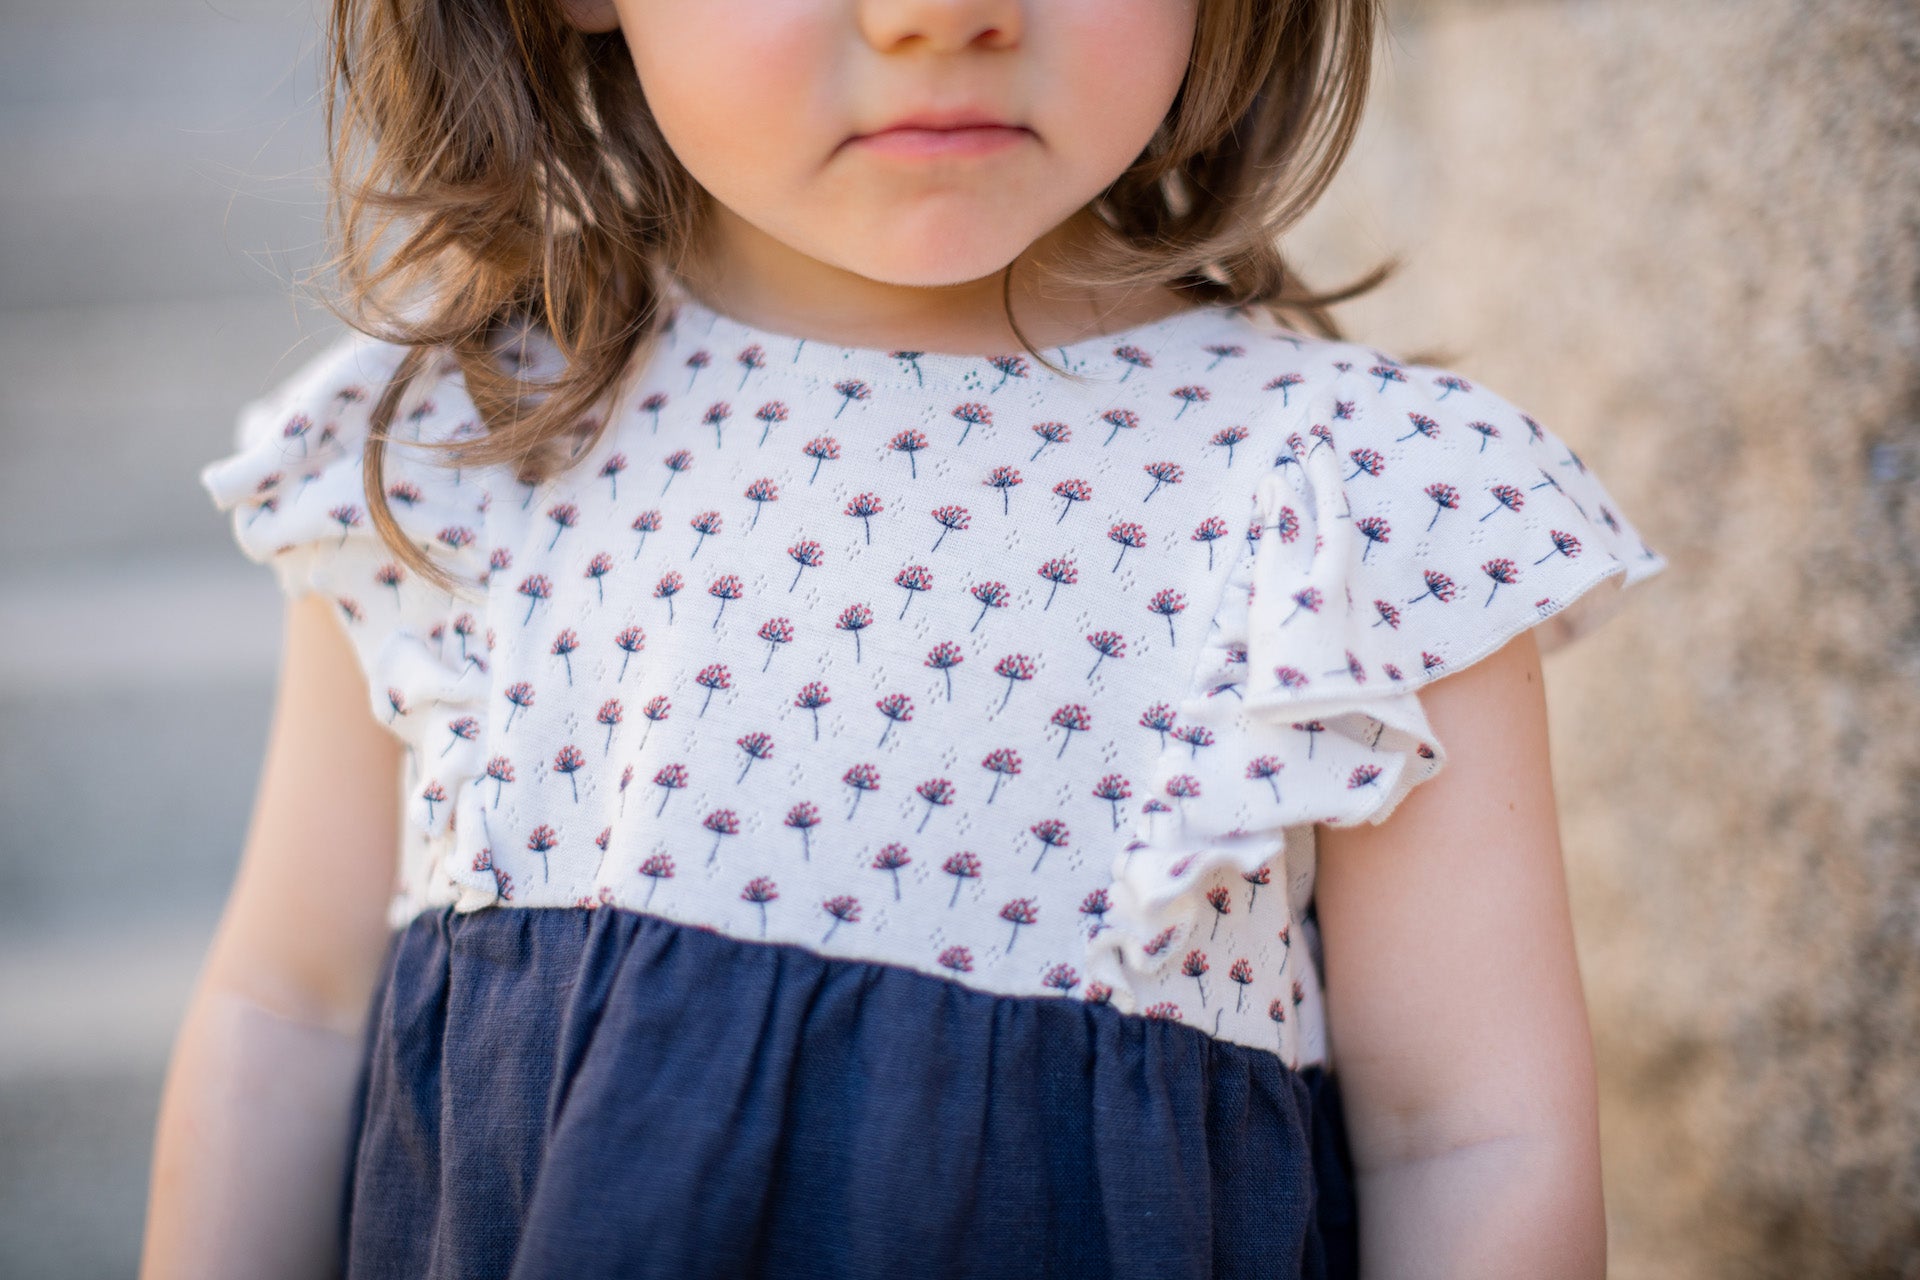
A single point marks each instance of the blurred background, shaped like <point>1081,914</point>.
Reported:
<point>1684,234</point>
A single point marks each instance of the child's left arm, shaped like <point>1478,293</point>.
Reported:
<point>1455,1006</point>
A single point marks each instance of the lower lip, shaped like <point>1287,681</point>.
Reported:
<point>971,141</point>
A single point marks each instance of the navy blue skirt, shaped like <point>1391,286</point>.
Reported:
<point>578,1092</point>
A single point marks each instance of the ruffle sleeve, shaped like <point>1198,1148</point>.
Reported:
<point>293,486</point>
<point>1412,523</point>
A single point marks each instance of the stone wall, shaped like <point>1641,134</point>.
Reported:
<point>1687,236</point>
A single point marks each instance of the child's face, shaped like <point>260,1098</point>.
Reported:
<point>764,102</point>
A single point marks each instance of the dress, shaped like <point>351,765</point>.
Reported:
<point>860,816</point>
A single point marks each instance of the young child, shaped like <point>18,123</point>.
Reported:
<point>886,767</point>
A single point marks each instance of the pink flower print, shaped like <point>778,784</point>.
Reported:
<point>1060,977</point>
<point>535,588</point>
<point>563,646</point>
<point>1354,671</point>
<point>776,632</point>
<point>760,891</point>
<point>1013,668</point>
<point>1564,544</point>
<point>643,524</point>
<point>943,657</point>
<point>350,607</point>
<point>433,793</point>
<point>973,415</point>
<point>1113,788</point>
<point>1505,497</point>
<point>1503,573</point>
<point>653,404</point>
<point>630,641</point>
<point>1308,598</point>
<point>892,857</point>
<point>1387,373</point>
<point>542,842</point>
<point>1073,718</point>
<point>936,792</point>
<point>914,578</point>
<point>296,429</point>
<point>1180,788</point>
<point>1221,350</point>
<point>712,676</point>
<point>500,772</point>
<point>667,588</point>
<point>843,908</point>
<point>803,817</point>
<point>1012,365</point>
<point>862,778</point>
<point>568,760</point>
<point>1050,433</point>
<point>909,442</point>
<point>390,575</point>
<point>1321,436</point>
<point>897,708</point>
<point>717,413</point>
<point>1099,993</point>
<point>347,517</point>
<point>1267,767</point>
<point>563,515</point>
<point>820,449</point>
<point>1366,461</point>
<point>1162,473</point>
<point>1167,602</point>
<point>1452,383</point>
<point>1018,912</point>
<point>609,715</point>
<point>958,959</point>
<point>812,696</point>
<point>669,778</point>
<point>704,523</point>
<point>1003,479</point>
<point>1262,874</point>
<point>855,618</point>
<point>757,745</point>
<point>1130,536</point>
<point>912,360</point>
<point>1422,426</point>
<point>850,390</point>
<point>806,554</point>
<point>610,472</point>
<point>520,694</point>
<point>658,708</point>
<point>1195,736</point>
<point>1108,644</point>
<point>1051,833</point>
<point>676,462</point>
<point>1058,570</point>
<point>865,507</point>
<point>1195,967</point>
<point>761,491</point>
<point>1445,498</point>
<point>1120,420</point>
<point>1374,529</point>
<point>1001,762</point>
<point>724,588</point>
<point>1486,431</point>
<point>462,729</point>
<point>1134,358</point>
<point>1389,615</point>
<point>991,595</point>
<point>722,823</point>
<point>1073,491</point>
<point>962,866</point>
<point>597,569</point>
<point>1439,586</point>
<point>949,518</point>
<point>749,359</point>
<point>1229,437</point>
<point>1284,384</point>
<point>769,413</point>
<point>656,868</point>
<point>455,537</point>
<point>1207,532</point>
<point>1189,395</point>
<point>1158,717</point>
<point>465,626</point>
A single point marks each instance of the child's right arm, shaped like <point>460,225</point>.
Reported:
<point>249,1160</point>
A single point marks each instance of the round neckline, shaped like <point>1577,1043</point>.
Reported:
<point>697,323</point>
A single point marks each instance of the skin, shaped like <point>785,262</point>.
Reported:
<point>816,234</point>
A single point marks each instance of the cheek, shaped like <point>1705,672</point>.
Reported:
<point>1116,66</point>
<point>739,87</point>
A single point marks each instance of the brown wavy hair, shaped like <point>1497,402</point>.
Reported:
<point>535,191</point>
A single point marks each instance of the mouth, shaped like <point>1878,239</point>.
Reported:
<point>955,135</point>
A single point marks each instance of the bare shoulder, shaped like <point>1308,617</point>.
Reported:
<point>1454,1000</point>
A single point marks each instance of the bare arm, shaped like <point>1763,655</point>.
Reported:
<point>1458,1021</point>
<point>250,1148</point>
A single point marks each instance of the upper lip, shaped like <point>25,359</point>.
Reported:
<point>951,118</point>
